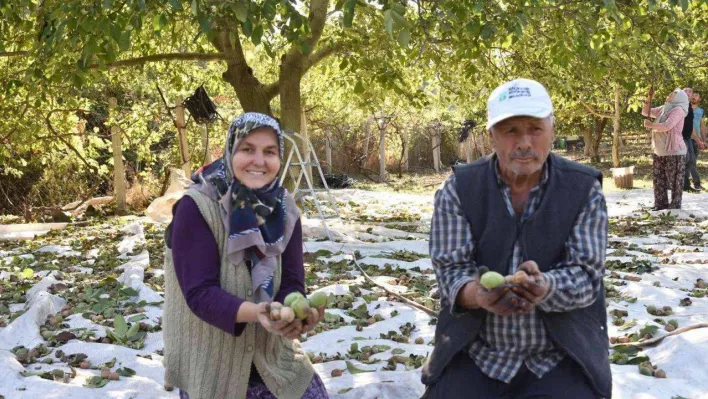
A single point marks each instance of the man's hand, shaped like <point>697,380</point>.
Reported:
<point>500,300</point>
<point>535,286</point>
<point>701,145</point>
<point>648,123</point>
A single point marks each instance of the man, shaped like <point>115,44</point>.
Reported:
<point>526,209</point>
<point>697,136</point>
<point>690,139</point>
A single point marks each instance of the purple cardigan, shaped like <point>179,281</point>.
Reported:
<point>197,264</point>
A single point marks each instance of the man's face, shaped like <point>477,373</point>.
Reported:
<point>696,98</point>
<point>522,143</point>
<point>689,91</point>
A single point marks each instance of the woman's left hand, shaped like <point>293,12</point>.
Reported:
<point>648,123</point>
<point>313,319</point>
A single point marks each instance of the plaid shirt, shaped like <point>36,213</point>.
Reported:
<point>506,342</point>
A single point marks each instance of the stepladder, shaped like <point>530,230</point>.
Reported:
<point>297,167</point>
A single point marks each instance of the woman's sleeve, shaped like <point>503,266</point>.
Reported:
<point>655,112</point>
<point>675,116</point>
<point>197,264</point>
<point>293,269</point>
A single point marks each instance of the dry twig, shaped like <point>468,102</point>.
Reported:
<point>399,296</point>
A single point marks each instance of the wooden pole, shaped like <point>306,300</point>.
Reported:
<point>328,151</point>
<point>305,148</point>
<point>367,130</point>
<point>205,144</point>
<point>436,149</point>
<point>382,150</point>
<point>181,125</point>
<point>118,169</point>
<point>616,155</point>
<point>405,150</point>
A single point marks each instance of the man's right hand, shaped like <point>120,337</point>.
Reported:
<point>500,300</point>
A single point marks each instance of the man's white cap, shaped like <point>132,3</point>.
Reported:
<point>519,97</point>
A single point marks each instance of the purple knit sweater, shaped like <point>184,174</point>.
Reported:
<point>197,264</point>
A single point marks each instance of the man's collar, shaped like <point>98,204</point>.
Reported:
<point>500,178</point>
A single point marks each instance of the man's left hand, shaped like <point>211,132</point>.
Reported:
<point>535,287</point>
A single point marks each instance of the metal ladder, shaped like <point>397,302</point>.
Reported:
<point>310,190</point>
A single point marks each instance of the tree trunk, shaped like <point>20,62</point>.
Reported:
<point>600,125</point>
<point>290,109</point>
<point>405,151</point>
<point>616,130</point>
<point>436,150</point>
<point>304,147</point>
<point>367,130</point>
<point>382,150</point>
<point>328,151</point>
<point>118,170</point>
<point>185,161</point>
<point>588,134</point>
<point>205,145</point>
<point>593,136</point>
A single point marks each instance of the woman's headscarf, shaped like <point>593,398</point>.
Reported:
<point>680,100</point>
<point>258,225</point>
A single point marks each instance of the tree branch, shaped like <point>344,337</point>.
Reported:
<point>14,53</point>
<point>656,340</point>
<point>163,57</point>
<point>592,111</point>
<point>320,55</point>
<point>48,121</point>
<point>317,19</point>
<point>399,296</point>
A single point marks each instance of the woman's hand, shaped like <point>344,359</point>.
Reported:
<point>313,318</point>
<point>648,124</point>
<point>290,330</point>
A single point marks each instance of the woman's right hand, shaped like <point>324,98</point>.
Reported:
<point>291,330</point>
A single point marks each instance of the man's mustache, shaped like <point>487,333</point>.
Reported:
<point>524,154</point>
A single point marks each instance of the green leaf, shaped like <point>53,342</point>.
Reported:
<point>176,5</point>
<point>125,372</point>
<point>349,13</point>
<point>388,21</point>
<point>96,382</point>
<point>628,349</point>
<point>257,34</point>
<point>626,326</point>
<point>121,327</point>
<point>359,87</point>
<point>398,351</point>
<point>241,12</point>
<point>638,360</point>
<point>137,317</point>
<point>404,37</point>
<point>684,4</point>
<point>27,273</point>
<point>133,330</point>
<point>195,8</point>
<point>649,329</point>
<point>354,370</point>
<point>247,27</point>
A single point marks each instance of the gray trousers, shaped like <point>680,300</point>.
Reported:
<point>691,168</point>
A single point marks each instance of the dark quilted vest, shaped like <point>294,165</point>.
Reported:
<point>580,333</point>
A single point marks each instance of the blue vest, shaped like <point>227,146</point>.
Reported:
<point>580,333</point>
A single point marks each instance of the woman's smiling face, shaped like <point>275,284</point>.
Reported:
<point>256,161</point>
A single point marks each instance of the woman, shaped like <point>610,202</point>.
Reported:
<point>234,245</point>
<point>669,148</point>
